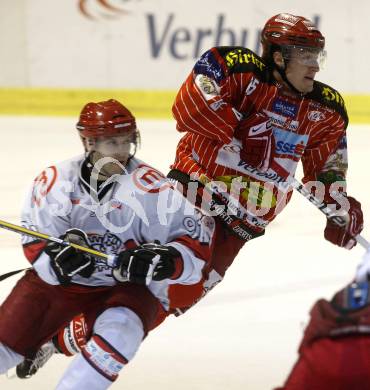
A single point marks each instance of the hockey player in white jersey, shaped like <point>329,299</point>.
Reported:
<point>108,200</point>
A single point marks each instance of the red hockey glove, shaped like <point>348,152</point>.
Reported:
<point>344,236</point>
<point>256,135</point>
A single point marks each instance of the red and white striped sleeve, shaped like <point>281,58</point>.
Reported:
<point>203,103</point>
<point>325,158</point>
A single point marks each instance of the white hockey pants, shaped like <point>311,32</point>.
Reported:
<point>8,358</point>
<point>118,333</point>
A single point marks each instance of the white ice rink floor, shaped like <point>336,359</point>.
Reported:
<point>244,334</point>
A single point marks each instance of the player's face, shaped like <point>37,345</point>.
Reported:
<point>117,147</point>
<point>302,67</point>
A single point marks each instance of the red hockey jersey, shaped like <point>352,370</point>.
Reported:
<point>229,84</point>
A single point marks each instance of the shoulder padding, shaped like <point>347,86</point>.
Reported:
<point>240,59</point>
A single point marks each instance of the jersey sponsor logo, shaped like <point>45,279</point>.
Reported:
<point>331,95</point>
<point>207,85</point>
<point>285,108</point>
<point>316,116</point>
<point>289,149</point>
<point>209,66</point>
<point>262,128</point>
<point>108,243</point>
<point>252,86</point>
<point>269,175</point>
<point>239,56</point>
<point>289,144</point>
<point>232,160</point>
<point>236,208</point>
<point>149,180</point>
<point>251,191</point>
<point>74,335</point>
<point>316,106</point>
<point>200,226</point>
<point>43,184</point>
<point>217,104</point>
<point>337,162</point>
<point>107,361</point>
<point>282,121</point>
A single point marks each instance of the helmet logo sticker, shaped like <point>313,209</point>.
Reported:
<point>291,20</point>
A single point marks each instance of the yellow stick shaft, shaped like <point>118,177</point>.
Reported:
<point>22,230</point>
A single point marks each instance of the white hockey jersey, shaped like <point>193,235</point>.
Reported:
<point>127,210</point>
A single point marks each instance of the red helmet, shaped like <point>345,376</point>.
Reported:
<point>286,29</point>
<point>105,119</point>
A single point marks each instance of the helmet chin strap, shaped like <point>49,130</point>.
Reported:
<point>283,75</point>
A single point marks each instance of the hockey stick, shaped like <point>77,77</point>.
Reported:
<point>299,187</point>
<point>110,259</point>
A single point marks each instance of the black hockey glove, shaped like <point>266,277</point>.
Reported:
<point>148,262</point>
<point>68,261</point>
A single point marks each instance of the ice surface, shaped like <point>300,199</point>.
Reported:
<point>244,335</point>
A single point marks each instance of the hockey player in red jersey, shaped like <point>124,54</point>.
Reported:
<point>247,122</point>
<point>334,352</point>
<point>109,200</point>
